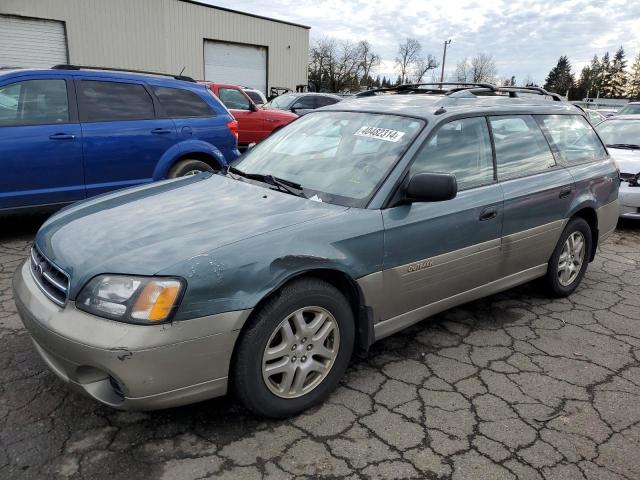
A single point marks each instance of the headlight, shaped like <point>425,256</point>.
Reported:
<point>145,300</point>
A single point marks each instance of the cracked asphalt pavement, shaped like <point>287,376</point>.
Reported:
<point>512,386</point>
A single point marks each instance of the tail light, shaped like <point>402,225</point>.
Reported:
<point>233,128</point>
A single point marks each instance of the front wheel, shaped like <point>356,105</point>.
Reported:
<point>294,351</point>
<point>187,167</point>
<point>570,258</point>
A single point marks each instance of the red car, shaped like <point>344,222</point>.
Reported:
<point>254,123</point>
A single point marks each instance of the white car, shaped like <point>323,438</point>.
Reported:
<point>256,95</point>
<point>621,134</point>
<point>631,108</point>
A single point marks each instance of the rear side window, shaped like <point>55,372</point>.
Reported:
<point>181,103</point>
<point>308,102</point>
<point>461,147</point>
<point>572,138</point>
<point>324,101</point>
<point>113,101</point>
<point>255,96</point>
<point>34,102</point>
<point>233,99</point>
<point>521,148</point>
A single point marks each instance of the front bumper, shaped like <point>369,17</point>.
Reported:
<point>629,201</point>
<point>130,367</point>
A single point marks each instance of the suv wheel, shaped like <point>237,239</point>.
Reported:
<point>294,351</point>
<point>569,261</point>
<point>189,167</point>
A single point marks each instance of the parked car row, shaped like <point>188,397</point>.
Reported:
<point>354,222</point>
<point>69,133</point>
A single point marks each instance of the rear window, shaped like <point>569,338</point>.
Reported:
<point>177,102</point>
<point>113,101</point>
<point>255,96</point>
<point>572,138</point>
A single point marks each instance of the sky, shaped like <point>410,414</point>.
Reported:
<point>525,38</point>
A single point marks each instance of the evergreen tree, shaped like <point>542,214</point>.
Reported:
<point>584,84</point>
<point>595,77</point>
<point>618,79</point>
<point>560,78</point>
<point>605,76</point>
<point>399,80</point>
<point>377,83</point>
<point>633,87</point>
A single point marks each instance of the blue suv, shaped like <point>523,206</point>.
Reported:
<point>69,133</point>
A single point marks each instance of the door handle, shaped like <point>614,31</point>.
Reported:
<point>62,136</point>
<point>565,192</point>
<point>160,131</point>
<point>488,213</point>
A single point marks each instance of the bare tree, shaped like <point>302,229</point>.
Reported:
<point>408,53</point>
<point>481,68</point>
<point>422,66</point>
<point>369,60</point>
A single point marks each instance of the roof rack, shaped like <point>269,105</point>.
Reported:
<point>66,66</point>
<point>416,88</point>
<point>460,88</point>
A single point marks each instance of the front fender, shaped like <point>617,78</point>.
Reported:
<point>182,149</point>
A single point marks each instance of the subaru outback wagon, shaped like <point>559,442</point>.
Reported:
<point>346,226</point>
<point>69,133</point>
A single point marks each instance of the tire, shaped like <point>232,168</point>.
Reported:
<point>562,284</point>
<point>189,167</point>
<point>266,394</point>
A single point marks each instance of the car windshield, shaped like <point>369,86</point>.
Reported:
<point>620,132</point>
<point>337,157</point>
<point>630,110</point>
<point>282,102</point>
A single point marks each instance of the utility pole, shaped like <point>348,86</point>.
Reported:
<point>444,57</point>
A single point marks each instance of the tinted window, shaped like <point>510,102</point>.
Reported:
<point>181,103</point>
<point>112,101</point>
<point>233,99</point>
<point>521,148</point>
<point>573,138</point>
<point>34,102</point>
<point>283,101</point>
<point>324,101</point>
<point>255,96</point>
<point>308,102</point>
<point>461,147</point>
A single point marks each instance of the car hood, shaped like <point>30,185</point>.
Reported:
<point>147,229</point>
<point>628,160</point>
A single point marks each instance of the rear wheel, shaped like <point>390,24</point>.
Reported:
<point>570,258</point>
<point>188,167</point>
<point>295,350</point>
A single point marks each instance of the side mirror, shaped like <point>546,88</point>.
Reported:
<point>431,187</point>
<point>252,107</point>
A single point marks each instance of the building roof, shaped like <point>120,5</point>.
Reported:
<point>224,9</point>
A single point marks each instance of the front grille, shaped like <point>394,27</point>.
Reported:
<point>53,282</point>
<point>625,177</point>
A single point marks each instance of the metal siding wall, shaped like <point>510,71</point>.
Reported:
<point>166,35</point>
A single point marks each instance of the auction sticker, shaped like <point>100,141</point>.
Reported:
<point>385,134</point>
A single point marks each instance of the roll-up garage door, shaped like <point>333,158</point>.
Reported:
<point>29,42</point>
<point>236,64</point>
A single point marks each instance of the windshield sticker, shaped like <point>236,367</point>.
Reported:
<point>385,134</point>
<point>315,198</point>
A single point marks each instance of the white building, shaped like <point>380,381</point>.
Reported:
<point>210,43</point>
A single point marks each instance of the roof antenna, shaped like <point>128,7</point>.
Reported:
<point>182,71</point>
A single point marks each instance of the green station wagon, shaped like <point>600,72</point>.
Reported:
<point>346,226</point>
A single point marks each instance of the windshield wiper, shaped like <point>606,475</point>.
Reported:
<point>632,146</point>
<point>280,183</point>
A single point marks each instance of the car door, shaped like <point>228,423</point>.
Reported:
<point>40,143</point>
<point>537,193</point>
<point>304,104</point>
<point>251,122</point>
<point>123,140</point>
<point>437,251</point>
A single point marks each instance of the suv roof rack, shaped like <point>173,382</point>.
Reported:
<point>65,66</point>
<point>460,88</point>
